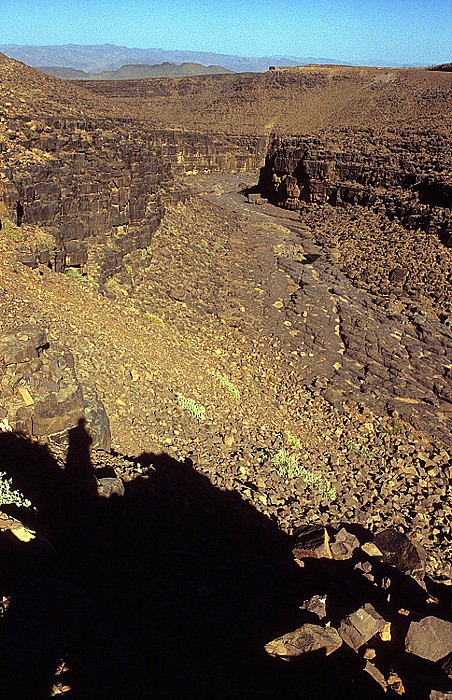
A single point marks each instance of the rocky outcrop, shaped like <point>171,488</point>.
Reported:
<point>85,182</point>
<point>401,175</point>
<point>40,392</point>
<point>189,152</point>
<point>99,186</point>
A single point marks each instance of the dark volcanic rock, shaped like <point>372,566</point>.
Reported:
<point>311,541</point>
<point>399,551</point>
<point>320,170</point>
<point>304,640</point>
<point>21,344</point>
<point>315,605</point>
<point>109,486</point>
<point>356,629</point>
<point>431,638</point>
<point>41,394</point>
<point>343,545</point>
<point>365,353</point>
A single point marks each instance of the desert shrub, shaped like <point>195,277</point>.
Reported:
<point>226,383</point>
<point>196,409</point>
<point>293,440</point>
<point>358,449</point>
<point>114,289</point>
<point>11,231</point>
<point>75,274</point>
<point>288,467</point>
<point>9,496</point>
<point>155,319</point>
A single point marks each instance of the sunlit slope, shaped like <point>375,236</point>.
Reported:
<point>290,101</point>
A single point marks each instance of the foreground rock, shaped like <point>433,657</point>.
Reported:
<point>392,631</point>
<point>359,627</point>
<point>305,640</point>
<point>150,540</point>
<point>399,551</point>
<point>40,392</point>
<point>430,638</point>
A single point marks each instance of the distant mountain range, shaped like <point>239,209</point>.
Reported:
<point>108,57</point>
<point>133,72</point>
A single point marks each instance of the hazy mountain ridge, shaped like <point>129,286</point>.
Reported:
<point>108,57</point>
<point>136,71</point>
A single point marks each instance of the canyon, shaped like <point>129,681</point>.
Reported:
<point>214,273</point>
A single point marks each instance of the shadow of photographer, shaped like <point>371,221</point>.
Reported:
<point>171,590</point>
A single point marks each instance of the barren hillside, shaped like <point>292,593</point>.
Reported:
<point>293,101</point>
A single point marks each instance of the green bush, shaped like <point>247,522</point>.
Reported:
<point>155,319</point>
<point>198,411</point>
<point>75,274</point>
<point>9,496</point>
<point>226,383</point>
<point>288,467</point>
<point>12,231</point>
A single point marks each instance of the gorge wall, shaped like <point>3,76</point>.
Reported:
<point>380,326</point>
<point>402,174</point>
<point>99,186</point>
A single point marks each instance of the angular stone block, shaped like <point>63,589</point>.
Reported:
<point>109,486</point>
<point>344,545</point>
<point>21,344</point>
<point>356,629</point>
<point>399,551</point>
<point>304,640</point>
<point>431,638</point>
<point>311,541</point>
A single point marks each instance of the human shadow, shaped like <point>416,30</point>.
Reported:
<point>169,591</point>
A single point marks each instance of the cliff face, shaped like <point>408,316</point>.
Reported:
<point>400,175</point>
<point>191,151</point>
<point>84,181</point>
<point>98,186</point>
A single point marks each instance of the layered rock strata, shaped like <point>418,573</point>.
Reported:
<point>85,182</point>
<point>402,175</point>
<point>99,186</point>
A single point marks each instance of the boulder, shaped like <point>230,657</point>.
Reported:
<point>374,672</point>
<point>304,640</point>
<point>356,629</point>
<point>311,541</point>
<point>109,486</point>
<point>41,394</point>
<point>21,344</point>
<point>344,544</point>
<point>430,638</point>
<point>399,551</point>
<point>315,605</point>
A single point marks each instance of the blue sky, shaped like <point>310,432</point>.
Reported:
<point>365,31</point>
